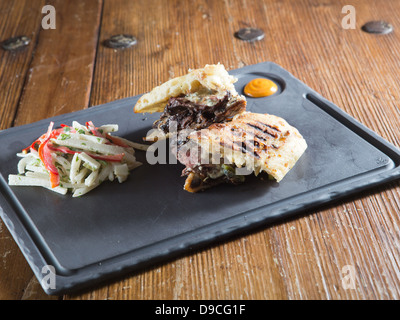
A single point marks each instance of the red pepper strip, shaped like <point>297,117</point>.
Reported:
<point>32,146</point>
<point>97,133</point>
<point>111,158</point>
<point>44,137</point>
<point>61,149</point>
<point>116,141</point>
<point>93,129</point>
<point>72,130</point>
<point>45,155</point>
<point>56,132</point>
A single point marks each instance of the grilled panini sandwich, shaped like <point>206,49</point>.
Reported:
<point>193,101</point>
<point>226,152</point>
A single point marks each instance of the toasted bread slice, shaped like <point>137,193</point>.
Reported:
<point>212,77</point>
<point>253,141</point>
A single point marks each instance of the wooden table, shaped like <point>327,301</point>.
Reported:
<point>309,257</point>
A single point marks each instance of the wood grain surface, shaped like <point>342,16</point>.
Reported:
<point>69,69</point>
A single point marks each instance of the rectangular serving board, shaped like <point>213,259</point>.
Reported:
<point>149,219</point>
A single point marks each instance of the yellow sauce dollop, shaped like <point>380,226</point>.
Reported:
<point>260,87</point>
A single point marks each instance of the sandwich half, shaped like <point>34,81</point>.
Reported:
<point>193,101</point>
<point>249,144</point>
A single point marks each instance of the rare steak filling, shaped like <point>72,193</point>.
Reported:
<point>198,111</point>
<point>204,174</point>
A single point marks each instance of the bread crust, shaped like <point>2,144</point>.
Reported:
<point>213,77</point>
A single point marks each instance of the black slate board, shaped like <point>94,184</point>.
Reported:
<point>120,228</point>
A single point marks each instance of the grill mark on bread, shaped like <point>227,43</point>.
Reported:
<point>244,148</point>
<point>269,126</point>
<point>265,129</point>
<point>255,147</point>
<point>260,137</point>
<point>241,132</point>
<point>250,139</point>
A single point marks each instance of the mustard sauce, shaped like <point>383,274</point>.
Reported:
<point>260,87</point>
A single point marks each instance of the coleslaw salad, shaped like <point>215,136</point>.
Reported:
<point>76,158</point>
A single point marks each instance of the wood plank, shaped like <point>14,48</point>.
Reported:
<point>163,30</point>
<point>20,18</point>
<point>60,76</point>
<point>52,76</point>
